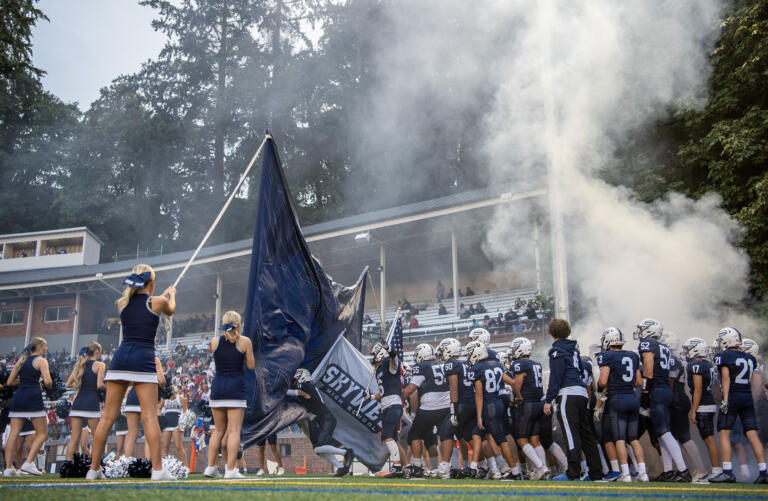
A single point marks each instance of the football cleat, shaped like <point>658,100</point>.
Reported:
<point>726,477</point>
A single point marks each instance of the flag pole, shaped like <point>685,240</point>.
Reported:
<point>389,338</point>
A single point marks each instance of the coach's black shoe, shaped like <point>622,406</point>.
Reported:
<point>667,476</point>
<point>482,473</point>
<point>465,473</point>
<point>762,478</point>
<point>396,472</point>
<point>417,471</point>
<point>472,473</point>
<point>456,473</point>
<point>726,477</point>
<point>508,476</point>
<point>682,477</point>
<point>349,456</point>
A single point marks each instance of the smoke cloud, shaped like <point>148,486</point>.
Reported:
<point>559,87</point>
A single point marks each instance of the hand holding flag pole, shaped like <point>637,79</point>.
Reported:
<point>388,341</point>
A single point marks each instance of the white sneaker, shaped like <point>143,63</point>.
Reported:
<point>212,472</point>
<point>233,474</point>
<point>280,471</point>
<point>260,472</point>
<point>10,472</point>
<point>95,475</point>
<point>625,478</point>
<point>30,468</point>
<point>162,475</point>
<point>642,477</point>
<point>540,473</point>
<point>444,474</point>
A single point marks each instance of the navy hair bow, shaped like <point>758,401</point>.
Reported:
<point>227,327</point>
<point>84,351</point>
<point>137,281</point>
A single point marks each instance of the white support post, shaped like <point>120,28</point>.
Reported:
<point>559,269</point>
<point>383,280</point>
<point>216,323</point>
<point>455,273</point>
<point>169,333</point>
<point>30,311</point>
<point>75,326</point>
<point>537,255</point>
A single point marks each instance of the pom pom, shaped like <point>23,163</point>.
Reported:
<point>187,420</point>
<point>118,468</point>
<point>140,468</point>
<point>57,389</point>
<point>62,408</point>
<point>77,468</point>
<point>166,392</point>
<point>204,408</point>
<point>175,467</point>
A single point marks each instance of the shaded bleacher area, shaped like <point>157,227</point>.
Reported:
<point>433,327</point>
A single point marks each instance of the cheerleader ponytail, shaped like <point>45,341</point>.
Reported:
<point>141,275</point>
<point>77,372</point>
<point>34,346</point>
<point>231,326</point>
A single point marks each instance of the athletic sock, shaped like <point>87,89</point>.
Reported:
<point>614,465</point>
<point>444,467</point>
<point>603,464</point>
<point>417,462</point>
<point>728,466</point>
<point>583,466</point>
<point>492,464</point>
<point>329,449</point>
<point>516,470</point>
<point>331,458</point>
<point>631,454</point>
<point>761,466</point>
<point>500,461</point>
<point>625,470</point>
<point>694,456</point>
<point>473,465</point>
<point>666,458</point>
<point>530,453</point>
<point>455,459</point>
<point>484,464</point>
<point>716,470</point>
<point>674,450</point>
<point>641,468</point>
<point>556,451</point>
<point>541,453</point>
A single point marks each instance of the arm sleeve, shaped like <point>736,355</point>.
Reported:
<point>292,393</point>
<point>556,372</point>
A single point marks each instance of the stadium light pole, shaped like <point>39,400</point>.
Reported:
<point>383,285</point>
<point>28,332</point>
<point>455,273</point>
<point>218,304</point>
<point>76,325</point>
<point>537,254</point>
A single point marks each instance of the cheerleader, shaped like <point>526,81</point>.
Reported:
<point>27,403</point>
<point>135,362</point>
<point>172,409</point>
<point>228,393</point>
<point>86,377</point>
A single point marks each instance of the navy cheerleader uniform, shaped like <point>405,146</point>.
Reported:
<point>171,412</point>
<point>27,400</point>
<point>228,386</point>
<point>134,359</point>
<point>86,404</point>
<point>132,402</point>
<point>27,428</point>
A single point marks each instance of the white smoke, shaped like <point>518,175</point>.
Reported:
<point>571,81</point>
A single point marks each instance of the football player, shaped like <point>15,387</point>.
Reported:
<point>462,393</point>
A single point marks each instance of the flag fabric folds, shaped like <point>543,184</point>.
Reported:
<point>396,343</point>
<point>294,311</point>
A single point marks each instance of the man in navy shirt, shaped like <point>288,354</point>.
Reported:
<point>656,359</point>
<point>736,370</point>
<point>567,390</point>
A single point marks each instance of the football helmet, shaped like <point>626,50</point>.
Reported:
<point>612,336</point>
<point>648,328</point>
<point>728,337</point>
<point>302,376</point>
<point>379,352</point>
<point>670,340</point>
<point>503,358</point>
<point>695,347</point>
<point>423,352</point>
<point>476,351</point>
<point>480,334</point>
<point>520,347</point>
<point>750,346</point>
<point>448,348</point>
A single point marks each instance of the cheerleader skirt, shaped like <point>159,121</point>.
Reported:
<point>171,421</point>
<point>228,390</point>
<point>134,362</point>
<point>27,402</point>
<point>86,405</point>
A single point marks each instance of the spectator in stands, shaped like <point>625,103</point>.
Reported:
<point>406,304</point>
<point>475,323</point>
<point>469,292</point>
<point>518,303</point>
<point>367,319</point>
<point>441,309</point>
<point>511,316</point>
<point>440,291</point>
<point>480,308</point>
<point>450,294</point>
<point>499,322</point>
<point>531,315</point>
<point>487,321</point>
<point>462,309</point>
<point>414,323</point>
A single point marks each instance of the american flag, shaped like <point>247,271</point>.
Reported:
<point>396,343</point>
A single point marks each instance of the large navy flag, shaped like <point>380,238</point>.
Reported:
<point>294,312</point>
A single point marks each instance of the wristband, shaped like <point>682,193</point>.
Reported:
<point>453,408</point>
<point>645,384</point>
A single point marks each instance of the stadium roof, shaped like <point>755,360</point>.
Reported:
<point>442,206</point>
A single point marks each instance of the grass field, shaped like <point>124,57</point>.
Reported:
<point>53,488</point>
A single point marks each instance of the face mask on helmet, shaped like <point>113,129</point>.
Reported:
<point>520,347</point>
<point>750,346</point>
<point>648,328</point>
<point>302,376</point>
<point>611,336</point>
<point>379,353</point>
<point>728,337</point>
<point>448,348</point>
<point>481,335</point>
<point>694,348</point>
<point>423,352</point>
<point>476,351</point>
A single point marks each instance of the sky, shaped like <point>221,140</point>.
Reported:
<point>88,43</point>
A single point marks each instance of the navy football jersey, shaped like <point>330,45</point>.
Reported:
<point>492,353</point>
<point>465,379</point>
<point>706,370</point>
<point>661,360</point>
<point>490,373</point>
<point>623,367</point>
<point>429,377</point>
<point>741,366</point>
<point>678,375</point>
<point>389,384</point>
<point>532,389</point>
<point>314,403</point>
